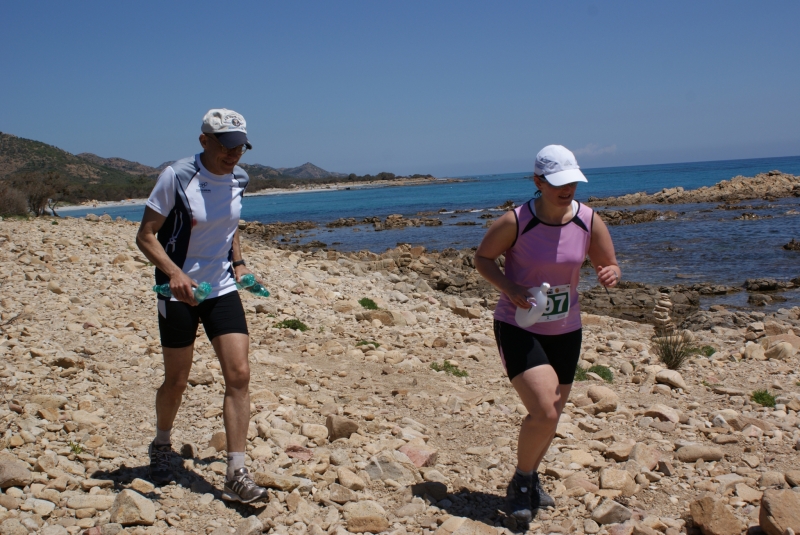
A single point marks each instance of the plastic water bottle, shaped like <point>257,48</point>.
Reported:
<point>200,293</point>
<point>249,283</point>
<point>526,317</point>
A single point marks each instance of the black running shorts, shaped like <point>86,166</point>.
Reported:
<point>522,350</point>
<point>178,321</point>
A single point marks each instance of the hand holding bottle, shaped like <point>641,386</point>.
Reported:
<point>200,292</point>
<point>250,283</point>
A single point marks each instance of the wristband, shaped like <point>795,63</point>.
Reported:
<point>238,263</point>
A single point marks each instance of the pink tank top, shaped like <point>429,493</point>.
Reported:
<point>552,254</point>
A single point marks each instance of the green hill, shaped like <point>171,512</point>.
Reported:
<point>24,163</point>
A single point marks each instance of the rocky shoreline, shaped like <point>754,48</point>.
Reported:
<point>766,186</point>
<point>351,427</point>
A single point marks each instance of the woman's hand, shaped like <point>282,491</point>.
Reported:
<point>608,276</point>
<point>519,295</point>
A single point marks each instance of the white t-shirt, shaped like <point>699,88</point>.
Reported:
<point>215,202</point>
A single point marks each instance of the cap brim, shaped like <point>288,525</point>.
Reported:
<point>565,177</point>
<point>233,139</point>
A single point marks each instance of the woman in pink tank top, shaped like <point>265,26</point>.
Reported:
<point>544,241</point>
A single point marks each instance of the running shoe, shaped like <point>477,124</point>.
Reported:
<point>545,500</point>
<point>160,471</point>
<point>521,498</point>
<point>242,488</point>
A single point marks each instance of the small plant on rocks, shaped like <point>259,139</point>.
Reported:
<point>368,342</point>
<point>295,324</point>
<point>448,368</point>
<point>368,303</point>
<point>75,447</point>
<point>763,398</point>
<point>672,349</point>
<point>602,371</point>
<point>581,374</point>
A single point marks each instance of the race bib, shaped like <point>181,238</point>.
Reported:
<point>557,304</point>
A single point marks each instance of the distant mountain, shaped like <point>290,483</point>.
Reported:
<point>308,170</point>
<point>128,166</point>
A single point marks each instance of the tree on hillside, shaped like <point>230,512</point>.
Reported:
<point>43,191</point>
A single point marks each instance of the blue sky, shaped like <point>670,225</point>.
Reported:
<point>450,88</point>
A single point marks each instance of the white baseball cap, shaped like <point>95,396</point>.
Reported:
<point>558,165</point>
<point>228,127</point>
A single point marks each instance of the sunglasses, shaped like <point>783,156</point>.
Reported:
<point>236,151</point>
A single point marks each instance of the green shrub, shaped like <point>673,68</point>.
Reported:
<point>581,374</point>
<point>449,368</point>
<point>672,349</point>
<point>705,351</point>
<point>603,372</point>
<point>292,324</point>
<point>368,303</point>
<point>367,342</point>
<point>763,397</point>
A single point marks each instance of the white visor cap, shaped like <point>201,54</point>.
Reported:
<point>558,165</point>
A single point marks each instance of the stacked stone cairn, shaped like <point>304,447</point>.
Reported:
<point>661,317</point>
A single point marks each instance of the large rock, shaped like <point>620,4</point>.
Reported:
<point>672,378</point>
<point>49,401</point>
<point>598,392</point>
<point>646,456</point>
<point>693,452</point>
<point>14,474</point>
<point>249,526</point>
<point>385,466</point>
<point>339,427</point>
<point>282,482</point>
<point>101,502</point>
<point>611,512</point>
<point>714,517</point>
<point>780,510</point>
<point>365,516</point>
<point>663,413</point>
<point>131,509</point>
<point>420,455</point>
<point>618,480</point>
<point>780,351</point>
<point>349,480</point>
<point>458,525</point>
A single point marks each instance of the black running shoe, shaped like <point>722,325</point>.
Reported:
<point>160,471</point>
<point>545,500</point>
<point>242,488</point>
<point>520,498</point>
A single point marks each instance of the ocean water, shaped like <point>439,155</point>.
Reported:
<point>703,245</point>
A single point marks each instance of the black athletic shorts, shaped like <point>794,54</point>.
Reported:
<point>522,350</point>
<point>178,321</point>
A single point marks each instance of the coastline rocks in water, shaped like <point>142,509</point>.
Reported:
<point>771,185</point>
<point>635,301</point>
<point>767,285</point>
<point>626,217</point>
<point>793,245</point>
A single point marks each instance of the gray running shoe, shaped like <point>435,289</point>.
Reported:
<point>160,470</point>
<point>520,497</point>
<point>242,488</point>
<point>545,500</point>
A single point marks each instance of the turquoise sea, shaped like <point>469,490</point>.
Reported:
<point>702,245</point>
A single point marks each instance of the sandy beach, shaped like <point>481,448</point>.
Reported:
<point>279,191</point>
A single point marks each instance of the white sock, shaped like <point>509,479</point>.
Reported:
<point>235,461</point>
<point>162,437</point>
<point>526,474</point>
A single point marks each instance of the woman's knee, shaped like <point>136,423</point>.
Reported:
<point>546,416</point>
